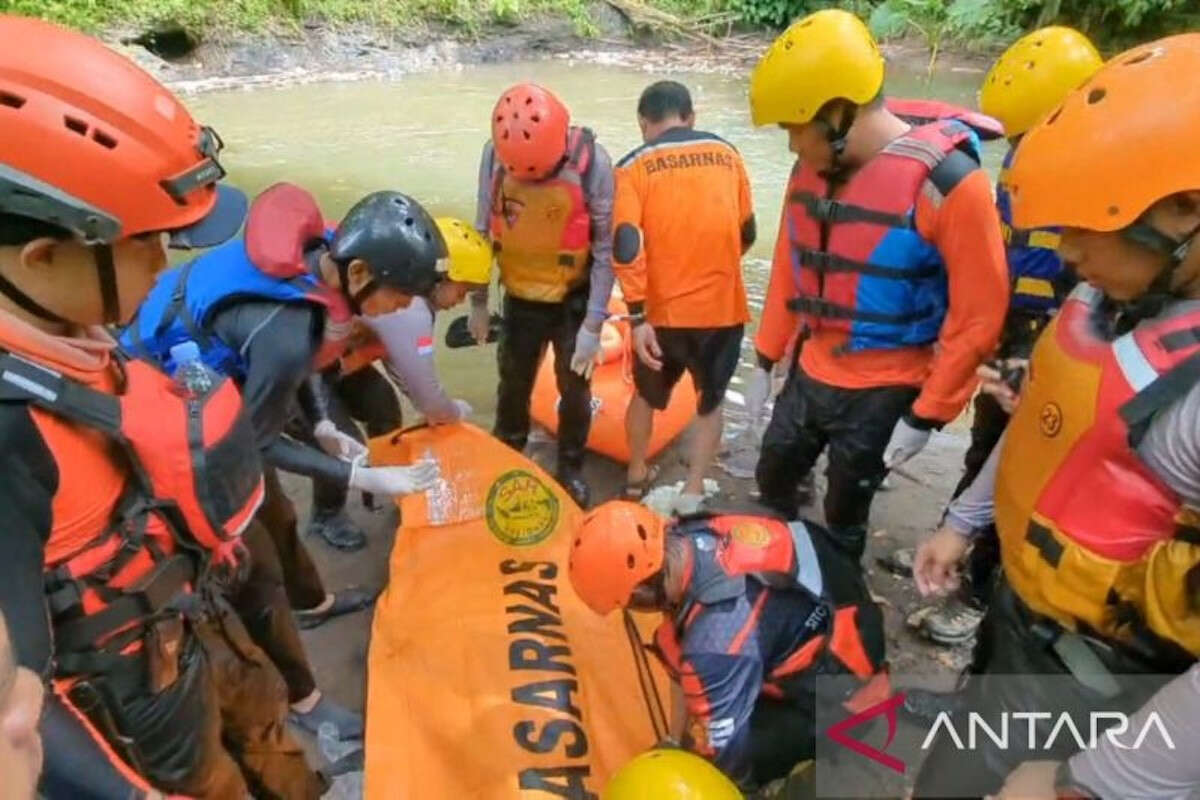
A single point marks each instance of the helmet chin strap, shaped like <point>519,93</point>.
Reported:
<point>106,273</point>
<point>1160,292</point>
<point>836,136</point>
<point>355,299</point>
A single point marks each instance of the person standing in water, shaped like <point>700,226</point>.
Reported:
<point>682,220</point>
<point>545,200</point>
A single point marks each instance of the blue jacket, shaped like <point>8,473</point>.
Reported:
<point>1038,277</point>
<point>185,299</point>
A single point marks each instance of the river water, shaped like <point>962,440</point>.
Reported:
<point>422,134</point>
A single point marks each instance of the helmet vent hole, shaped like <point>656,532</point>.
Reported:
<point>529,101</point>
<point>1095,96</point>
<point>1030,64</point>
<point>11,100</point>
<point>76,125</point>
<point>1139,58</point>
<point>630,561</point>
<point>641,533</point>
<point>104,140</point>
<point>409,221</point>
<point>504,135</point>
<point>1054,117</point>
<point>527,136</point>
<point>578,542</point>
<point>1113,211</point>
<point>536,118</point>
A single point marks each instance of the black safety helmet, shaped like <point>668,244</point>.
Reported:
<point>396,236</point>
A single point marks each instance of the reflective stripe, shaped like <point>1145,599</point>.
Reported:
<point>1047,240</point>
<point>1034,287</point>
<point>1138,371</point>
<point>808,569</point>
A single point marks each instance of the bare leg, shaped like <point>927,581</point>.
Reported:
<point>706,440</point>
<point>639,424</point>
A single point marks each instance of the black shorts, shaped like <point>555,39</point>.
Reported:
<point>709,354</point>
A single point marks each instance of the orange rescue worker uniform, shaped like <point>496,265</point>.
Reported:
<point>1094,487</point>
<point>892,270</point>
<point>681,220</point>
<point>124,497</point>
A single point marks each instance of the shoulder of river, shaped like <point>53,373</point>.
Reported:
<point>319,53</point>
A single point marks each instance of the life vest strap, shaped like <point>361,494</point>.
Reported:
<point>819,307</point>
<point>21,379</point>
<point>1139,411</point>
<point>1043,540</point>
<point>148,597</point>
<point>836,212</point>
<point>821,261</point>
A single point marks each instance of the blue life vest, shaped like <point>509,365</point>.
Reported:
<point>859,263</point>
<point>183,302</point>
<point>1039,281</point>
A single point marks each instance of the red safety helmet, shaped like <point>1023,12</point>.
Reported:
<point>92,143</point>
<point>619,545</point>
<point>529,131</point>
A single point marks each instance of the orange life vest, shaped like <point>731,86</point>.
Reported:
<point>541,230</point>
<point>1090,536</point>
<point>173,481</point>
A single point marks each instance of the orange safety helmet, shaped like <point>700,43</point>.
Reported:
<point>1116,145</point>
<point>92,143</point>
<point>529,131</point>
<point>619,545</point>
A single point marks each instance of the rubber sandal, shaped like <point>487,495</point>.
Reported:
<point>637,490</point>
<point>346,601</point>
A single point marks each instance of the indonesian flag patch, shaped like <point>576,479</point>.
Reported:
<point>425,345</point>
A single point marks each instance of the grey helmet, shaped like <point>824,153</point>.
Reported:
<point>395,235</point>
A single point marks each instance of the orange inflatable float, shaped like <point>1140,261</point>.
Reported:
<point>487,677</point>
<point>612,389</point>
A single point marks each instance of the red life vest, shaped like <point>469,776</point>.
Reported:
<point>728,550</point>
<point>1089,534</point>
<point>195,482</point>
<point>281,225</point>
<point>923,112</point>
<point>542,230</point>
<point>859,264</point>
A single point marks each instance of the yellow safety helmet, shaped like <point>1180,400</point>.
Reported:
<point>825,56</point>
<point>1033,76</point>
<point>470,253</point>
<point>670,775</point>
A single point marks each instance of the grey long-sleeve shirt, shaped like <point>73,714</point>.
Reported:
<point>408,337</point>
<point>598,189</point>
<point>1148,772</point>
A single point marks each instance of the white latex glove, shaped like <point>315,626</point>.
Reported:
<point>394,481</point>
<point>587,346</point>
<point>336,443</point>
<point>905,443</point>
<point>758,389</point>
<point>464,409</point>
<point>478,322</point>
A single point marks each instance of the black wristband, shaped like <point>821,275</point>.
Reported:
<point>637,308</point>
<point>921,423</point>
<point>764,362</point>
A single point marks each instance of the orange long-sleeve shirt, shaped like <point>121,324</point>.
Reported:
<point>965,229</point>
<point>682,216</point>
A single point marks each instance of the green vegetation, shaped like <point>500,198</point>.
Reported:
<point>982,23</point>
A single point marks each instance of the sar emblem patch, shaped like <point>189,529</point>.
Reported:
<point>750,534</point>
<point>1050,420</point>
<point>520,509</point>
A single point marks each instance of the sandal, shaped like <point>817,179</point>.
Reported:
<point>636,490</point>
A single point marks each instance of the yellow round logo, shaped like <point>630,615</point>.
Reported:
<point>1050,419</point>
<point>520,509</point>
<point>751,534</point>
